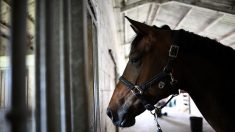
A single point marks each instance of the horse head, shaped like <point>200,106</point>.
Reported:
<point>143,82</point>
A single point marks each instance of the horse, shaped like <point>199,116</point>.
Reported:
<point>163,61</point>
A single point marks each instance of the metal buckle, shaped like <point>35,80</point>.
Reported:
<point>173,52</point>
<point>161,84</point>
<point>137,90</point>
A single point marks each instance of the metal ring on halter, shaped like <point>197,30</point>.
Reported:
<point>161,84</point>
<point>137,90</point>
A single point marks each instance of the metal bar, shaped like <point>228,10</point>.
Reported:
<point>53,65</point>
<point>17,114</point>
<point>61,44</point>
<point>78,65</point>
<point>96,79</point>
<point>67,90</point>
<point>50,58</point>
<point>40,60</point>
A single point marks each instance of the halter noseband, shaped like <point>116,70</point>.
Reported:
<point>163,78</point>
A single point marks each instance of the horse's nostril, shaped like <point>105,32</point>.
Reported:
<point>109,113</point>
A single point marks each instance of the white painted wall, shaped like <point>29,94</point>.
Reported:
<point>107,39</point>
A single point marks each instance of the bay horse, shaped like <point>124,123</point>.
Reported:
<point>162,61</point>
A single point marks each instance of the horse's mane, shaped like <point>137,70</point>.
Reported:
<point>192,44</point>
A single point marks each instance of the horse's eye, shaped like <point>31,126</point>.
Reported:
<point>134,60</point>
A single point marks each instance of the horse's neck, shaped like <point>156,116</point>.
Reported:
<point>212,91</point>
<point>211,87</point>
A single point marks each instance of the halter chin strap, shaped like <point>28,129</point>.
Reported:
<point>163,78</point>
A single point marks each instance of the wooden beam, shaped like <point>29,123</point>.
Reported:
<point>136,4</point>
<point>149,13</point>
<point>152,13</point>
<point>230,10</point>
<point>156,14</point>
<point>226,35</point>
<point>212,23</point>
<point>182,18</point>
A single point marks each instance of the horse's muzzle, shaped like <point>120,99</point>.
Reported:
<point>120,119</point>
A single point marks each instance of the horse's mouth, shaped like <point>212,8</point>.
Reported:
<point>126,122</point>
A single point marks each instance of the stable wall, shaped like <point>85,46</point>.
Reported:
<point>107,39</point>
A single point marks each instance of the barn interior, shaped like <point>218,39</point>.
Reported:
<point>75,51</point>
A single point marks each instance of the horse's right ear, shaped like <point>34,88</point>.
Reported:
<point>138,27</point>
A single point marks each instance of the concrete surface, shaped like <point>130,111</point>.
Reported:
<point>174,122</point>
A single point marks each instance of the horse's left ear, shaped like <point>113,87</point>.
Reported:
<point>135,29</point>
<point>138,27</point>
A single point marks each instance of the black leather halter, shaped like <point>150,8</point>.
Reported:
<point>163,78</point>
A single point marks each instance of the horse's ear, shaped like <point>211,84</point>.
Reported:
<point>138,27</point>
<point>135,30</point>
